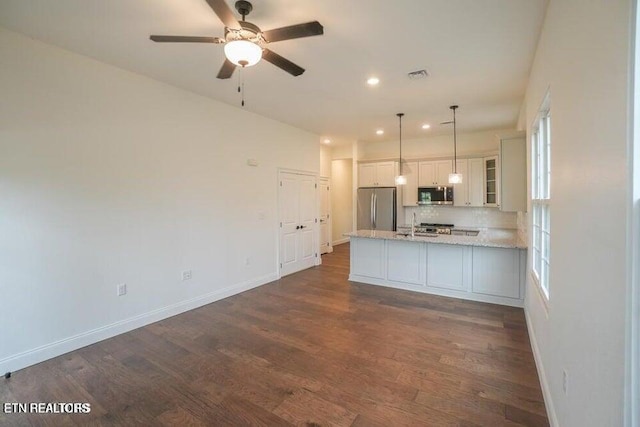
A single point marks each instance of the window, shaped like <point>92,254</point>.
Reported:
<point>541,196</point>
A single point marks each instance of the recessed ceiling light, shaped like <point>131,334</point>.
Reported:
<point>373,81</point>
<point>426,126</point>
<point>380,132</point>
<point>327,141</point>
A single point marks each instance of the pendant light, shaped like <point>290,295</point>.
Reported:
<point>400,179</point>
<point>455,177</point>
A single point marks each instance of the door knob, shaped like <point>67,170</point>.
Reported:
<point>297,227</point>
<point>302,226</point>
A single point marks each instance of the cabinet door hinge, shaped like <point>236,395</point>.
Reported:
<point>280,183</point>
<point>316,220</point>
<point>280,225</point>
<point>280,265</point>
<point>316,185</point>
<point>316,255</point>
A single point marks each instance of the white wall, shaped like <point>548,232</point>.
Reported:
<point>110,177</point>
<point>583,57</point>
<point>434,146</point>
<point>343,151</point>
<point>325,161</point>
<point>341,198</point>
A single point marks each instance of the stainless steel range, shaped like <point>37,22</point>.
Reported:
<point>430,227</point>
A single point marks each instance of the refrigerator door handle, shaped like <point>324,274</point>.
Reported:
<point>371,211</point>
<point>375,210</point>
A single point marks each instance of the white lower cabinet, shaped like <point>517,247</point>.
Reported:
<point>447,266</point>
<point>477,273</point>
<point>367,258</point>
<point>405,262</point>
<point>496,271</point>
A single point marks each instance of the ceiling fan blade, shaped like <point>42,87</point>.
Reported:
<point>224,13</point>
<point>186,39</point>
<point>279,61</point>
<point>227,69</point>
<point>294,32</point>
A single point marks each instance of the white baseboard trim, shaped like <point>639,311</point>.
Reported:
<point>341,241</point>
<point>83,339</point>
<point>546,391</point>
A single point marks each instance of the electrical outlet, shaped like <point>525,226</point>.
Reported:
<point>565,382</point>
<point>186,275</point>
<point>121,289</point>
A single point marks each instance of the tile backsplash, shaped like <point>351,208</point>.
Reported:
<point>523,223</point>
<point>464,217</point>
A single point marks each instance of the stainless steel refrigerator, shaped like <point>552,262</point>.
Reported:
<point>377,208</point>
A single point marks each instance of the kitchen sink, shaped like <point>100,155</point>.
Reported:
<point>417,234</point>
<point>465,232</point>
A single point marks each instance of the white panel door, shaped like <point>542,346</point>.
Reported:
<point>297,205</point>
<point>325,217</point>
<point>289,195</point>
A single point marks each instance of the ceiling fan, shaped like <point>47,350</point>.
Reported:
<point>245,43</point>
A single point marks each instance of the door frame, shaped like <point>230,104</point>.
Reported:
<point>329,215</point>
<point>316,230</point>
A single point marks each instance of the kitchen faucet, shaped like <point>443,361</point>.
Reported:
<point>413,225</point>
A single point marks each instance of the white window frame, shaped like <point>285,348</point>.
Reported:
<point>541,198</point>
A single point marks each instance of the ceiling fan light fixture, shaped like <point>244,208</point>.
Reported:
<point>243,52</point>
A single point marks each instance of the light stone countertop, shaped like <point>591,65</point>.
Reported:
<point>488,237</point>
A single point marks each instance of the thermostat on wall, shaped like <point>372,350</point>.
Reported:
<point>252,162</point>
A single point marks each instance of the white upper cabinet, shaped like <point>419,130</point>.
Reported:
<point>476,182</point>
<point>410,190</point>
<point>434,173</point>
<point>470,191</point>
<point>386,174</point>
<point>491,182</point>
<point>461,191</point>
<point>381,174</point>
<point>513,174</point>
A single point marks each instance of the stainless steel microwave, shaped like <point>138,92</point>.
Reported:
<point>435,195</point>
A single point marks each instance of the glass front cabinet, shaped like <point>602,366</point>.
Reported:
<point>491,182</point>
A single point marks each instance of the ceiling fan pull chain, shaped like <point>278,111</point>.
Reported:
<point>241,84</point>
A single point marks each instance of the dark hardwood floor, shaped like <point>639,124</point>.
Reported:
<point>311,349</point>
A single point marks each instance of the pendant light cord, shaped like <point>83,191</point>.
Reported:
<point>455,141</point>
<point>400,160</point>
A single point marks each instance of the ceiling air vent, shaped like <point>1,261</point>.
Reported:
<point>420,74</point>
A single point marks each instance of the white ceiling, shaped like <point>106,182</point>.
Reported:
<point>477,52</point>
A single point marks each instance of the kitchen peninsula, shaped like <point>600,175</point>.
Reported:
<point>489,267</point>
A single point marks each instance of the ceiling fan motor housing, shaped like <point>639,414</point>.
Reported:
<point>248,31</point>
